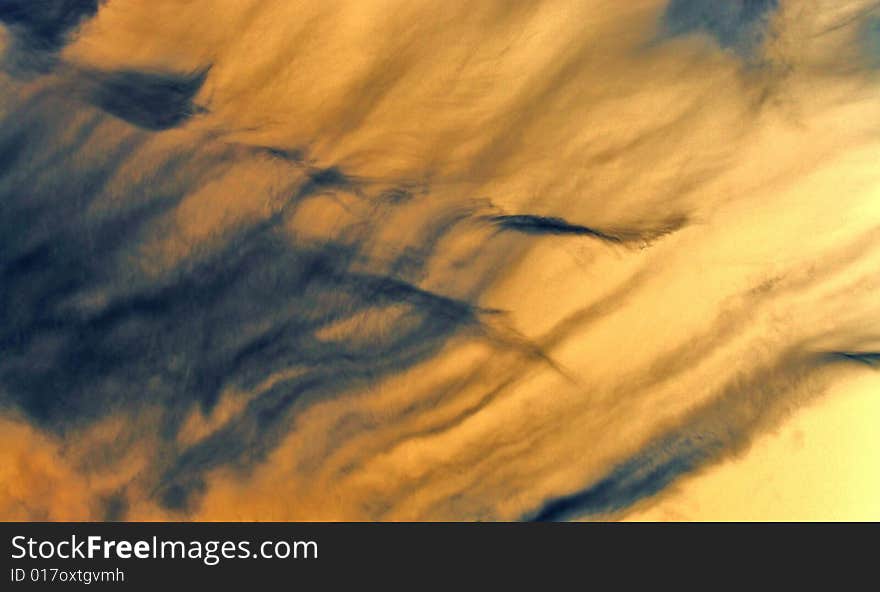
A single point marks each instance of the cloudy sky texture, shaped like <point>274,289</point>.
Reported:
<point>422,260</point>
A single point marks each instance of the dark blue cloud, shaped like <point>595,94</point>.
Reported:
<point>643,476</point>
<point>150,100</point>
<point>528,224</point>
<point>85,334</point>
<point>719,428</point>
<point>740,25</point>
<point>45,24</point>
<point>42,27</point>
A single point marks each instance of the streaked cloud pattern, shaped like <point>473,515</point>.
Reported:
<point>421,260</point>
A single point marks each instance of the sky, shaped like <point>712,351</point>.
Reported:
<point>420,260</point>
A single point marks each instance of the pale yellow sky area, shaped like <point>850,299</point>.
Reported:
<point>822,464</point>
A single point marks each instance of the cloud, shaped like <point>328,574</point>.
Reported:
<point>370,263</point>
<point>42,28</point>
<point>871,39</point>
<point>153,101</point>
<point>740,25</point>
